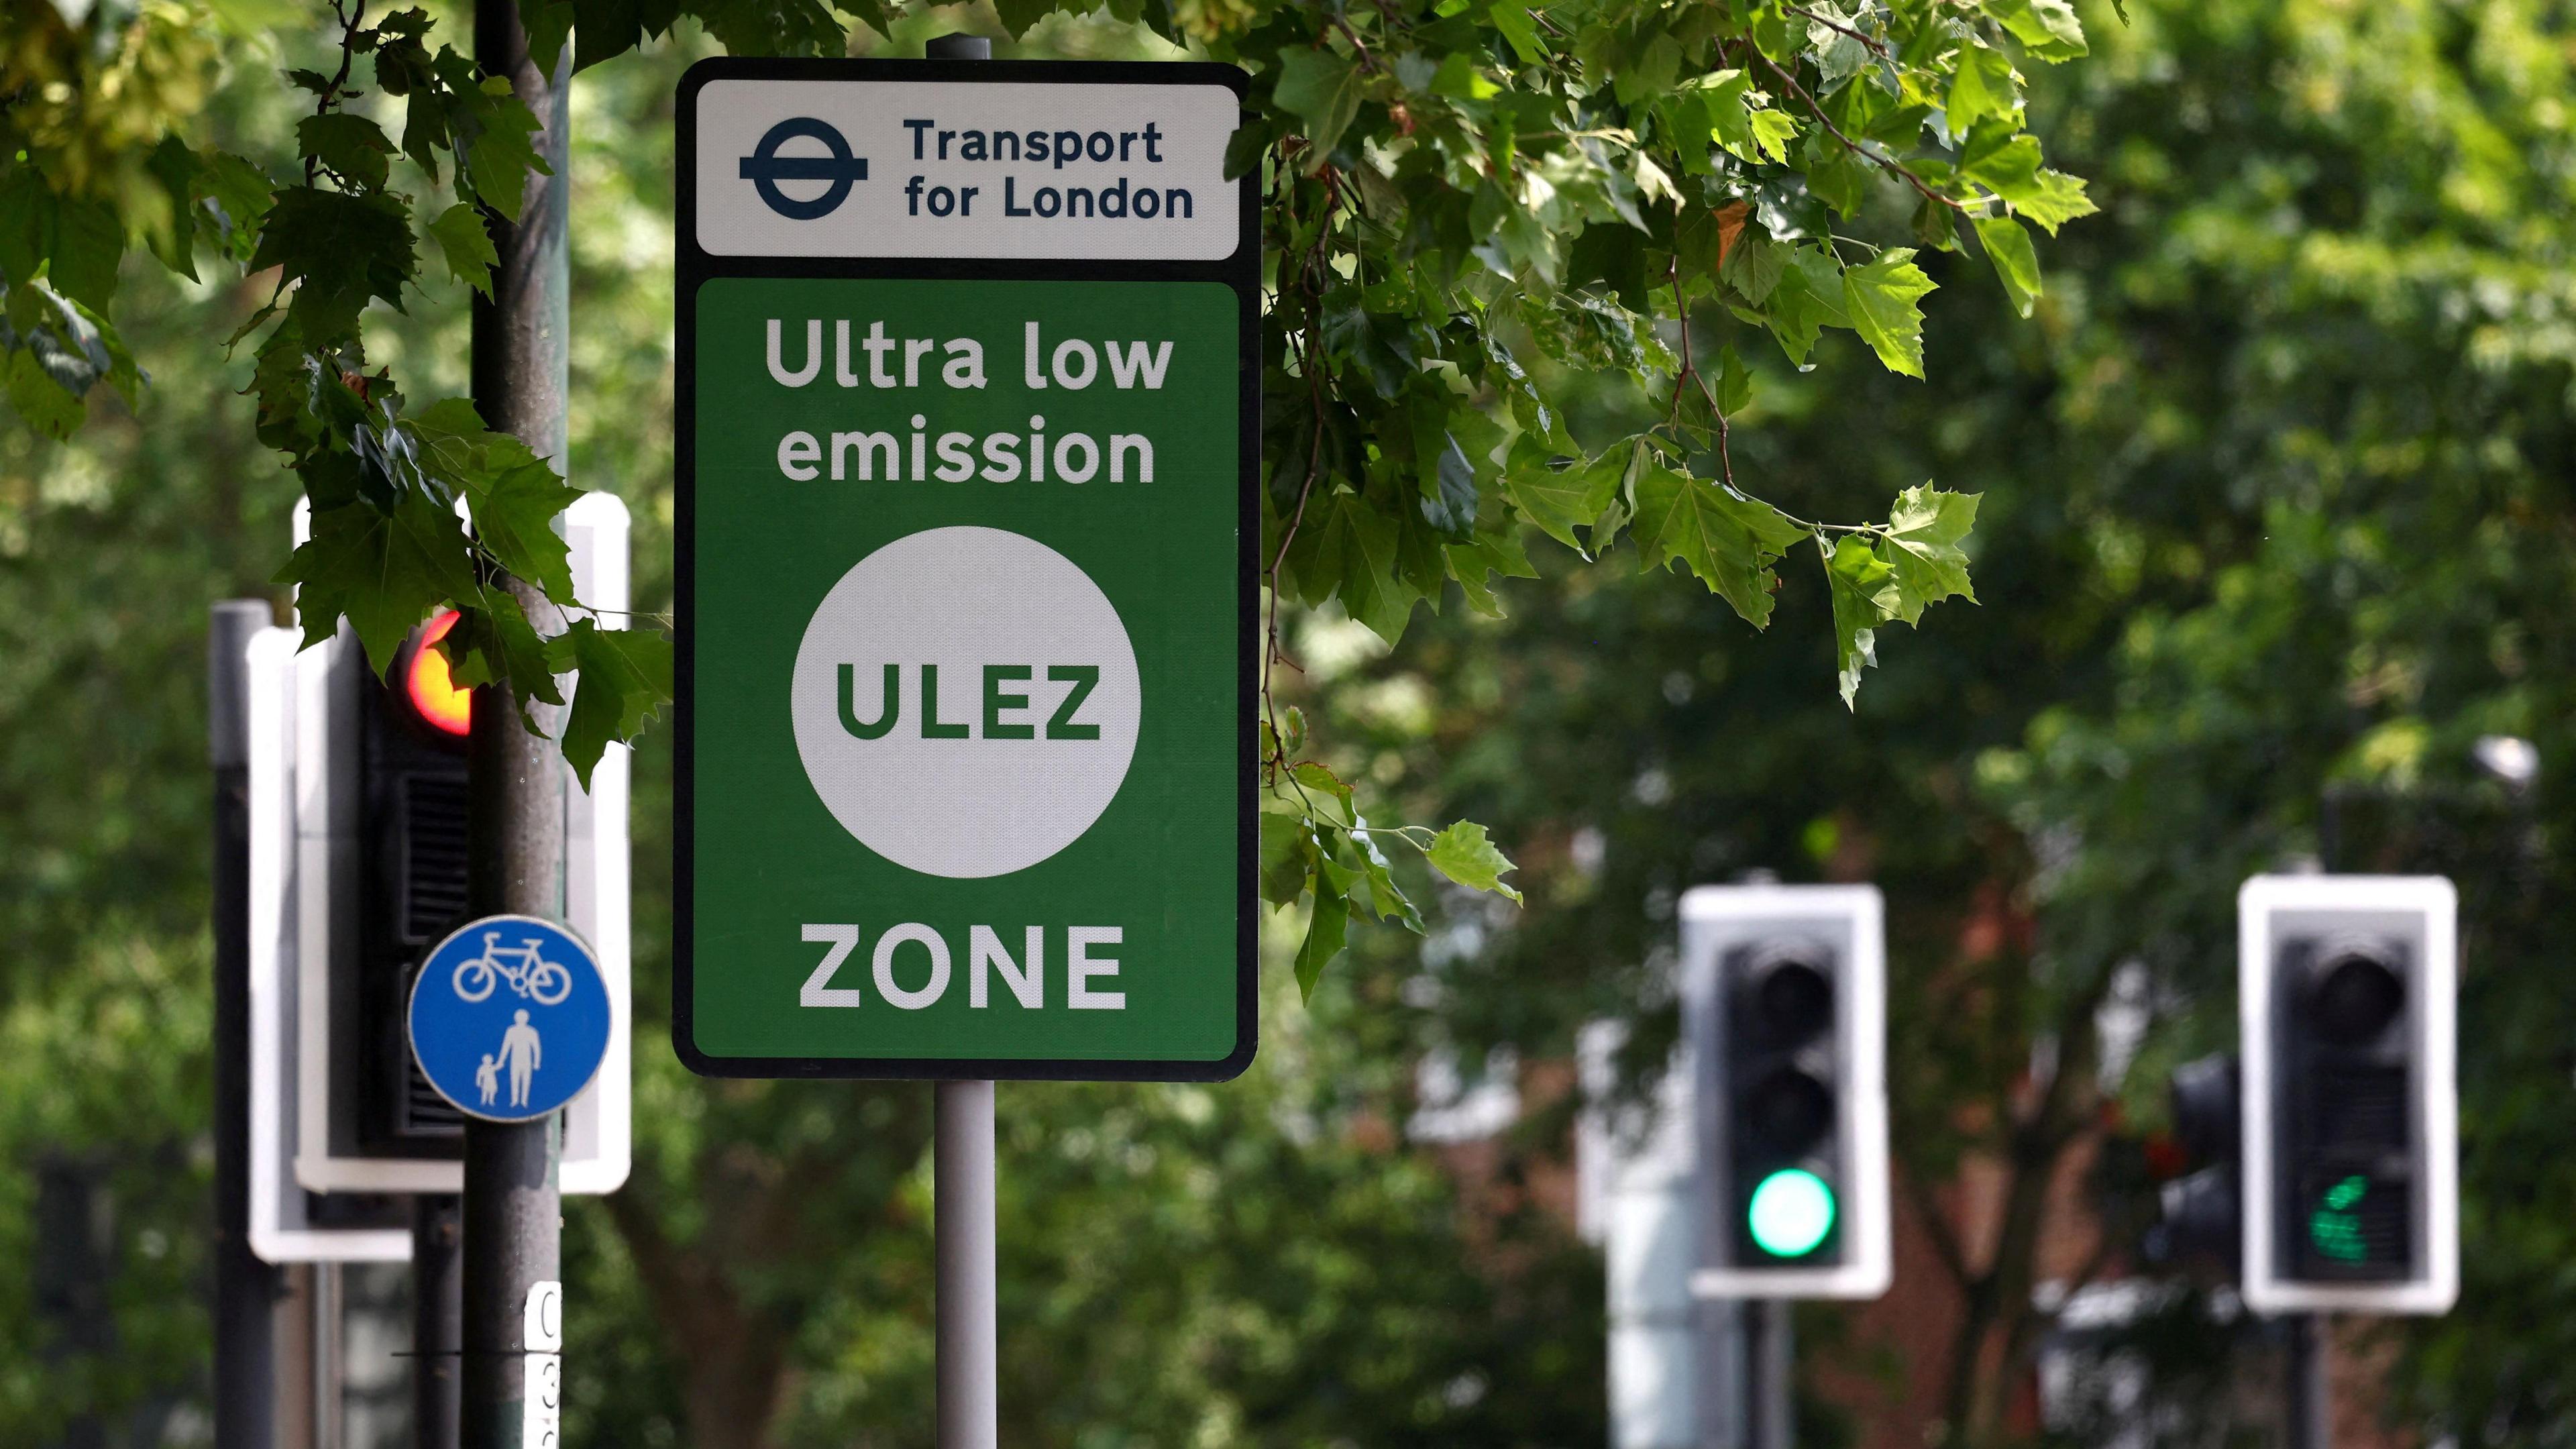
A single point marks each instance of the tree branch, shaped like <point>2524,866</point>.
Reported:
<point>1871,41</point>
<point>1936,1226</point>
<point>1891,166</point>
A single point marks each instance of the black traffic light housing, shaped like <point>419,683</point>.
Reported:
<point>1781,1085</point>
<point>411,841</point>
<point>2347,1175</point>
<point>2203,1211</point>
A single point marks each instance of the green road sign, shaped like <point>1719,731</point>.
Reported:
<point>967,520</point>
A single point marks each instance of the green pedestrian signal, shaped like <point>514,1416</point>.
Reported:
<point>2335,1227</point>
<point>1790,1213</point>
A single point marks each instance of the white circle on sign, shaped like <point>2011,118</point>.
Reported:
<point>1004,635</point>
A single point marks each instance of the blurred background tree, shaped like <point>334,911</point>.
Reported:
<point>2277,518</point>
<point>2275,534</point>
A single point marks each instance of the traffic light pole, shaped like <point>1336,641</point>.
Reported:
<point>2306,1375</point>
<point>513,1224</point>
<point>1770,1406</point>
<point>246,1289</point>
<point>437,1319</point>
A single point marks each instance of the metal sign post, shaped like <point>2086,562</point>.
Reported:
<point>968,533</point>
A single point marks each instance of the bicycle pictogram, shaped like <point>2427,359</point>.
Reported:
<point>532,976</point>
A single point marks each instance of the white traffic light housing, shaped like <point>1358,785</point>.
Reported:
<point>1784,1004</point>
<point>2345,998</point>
<point>360,827</point>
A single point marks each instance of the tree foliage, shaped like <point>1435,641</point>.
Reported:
<point>1467,203</point>
<point>2275,524</point>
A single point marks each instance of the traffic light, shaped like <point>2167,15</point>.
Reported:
<point>379,819</point>
<point>2203,1211</point>
<point>1784,999</point>
<point>2350,1117</point>
<point>411,729</point>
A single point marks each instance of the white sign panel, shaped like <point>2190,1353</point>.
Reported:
<point>905,168</point>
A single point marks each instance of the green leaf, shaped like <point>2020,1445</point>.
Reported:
<point>1808,298</point>
<point>1982,86</point>
<point>1348,548</point>
<point>2016,261</point>
<point>238,195</point>
<point>1838,55</point>
<point>1493,551</point>
<point>1754,264</point>
<point>1325,927</point>
<point>26,224</point>
<point>508,488</point>
<point>48,407</point>
<point>514,513</point>
<point>2053,199</point>
<point>503,150</point>
<point>89,241</point>
<point>1322,89</point>
<point>341,251</point>
<point>514,495</point>
<point>1320,794</point>
<point>347,145</point>
<point>1379,343</point>
<point>2048,27</point>
<point>2002,160</point>
<point>1243,152</point>
<point>1512,18</point>
<point>1834,175</point>
<point>1560,502</point>
<point>1854,576</point>
<point>1464,854</point>
<point>383,572</point>
<point>1773,130</point>
<point>466,246</point>
<point>1922,549</point>
<point>1728,540</point>
<point>1723,100</point>
<point>605,29</point>
<point>493,643</point>
<point>1287,858</point>
<point>1376,888</point>
<point>174,238</point>
<point>1018,15</point>
<point>1880,296</point>
<point>622,676</point>
<point>547,23</point>
<point>1734,381</point>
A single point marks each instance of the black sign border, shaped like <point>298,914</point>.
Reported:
<point>1241,271</point>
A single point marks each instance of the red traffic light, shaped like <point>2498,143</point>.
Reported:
<point>434,694</point>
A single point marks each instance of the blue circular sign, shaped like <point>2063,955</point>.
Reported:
<point>509,1018</point>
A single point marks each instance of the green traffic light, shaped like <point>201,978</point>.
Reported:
<point>1790,1213</point>
<point>2335,1228</point>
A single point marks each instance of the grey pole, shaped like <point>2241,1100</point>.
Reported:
<point>2309,1426</point>
<point>246,1289</point>
<point>437,1319</point>
<point>968,1358</point>
<point>513,1220</point>
<point>1770,1404</point>
<point>962,1161</point>
<point>1717,1372</point>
